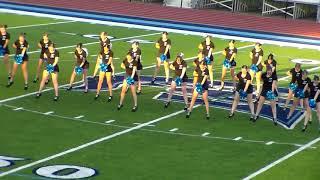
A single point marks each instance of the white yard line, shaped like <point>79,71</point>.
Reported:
<point>48,113</point>
<point>269,143</point>
<point>205,134</point>
<point>65,85</point>
<point>17,109</point>
<point>89,144</point>
<point>109,123</point>
<point>79,117</point>
<point>174,130</point>
<point>151,125</point>
<point>237,138</point>
<point>44,24</point>
<point>282,159</point>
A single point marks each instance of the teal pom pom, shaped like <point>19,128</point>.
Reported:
<point>103,67</point>
<point>293,86</point>
<point>163,57</point>
<point>312,103</point>
<point>1,51</point>
<point>300,93</point>
<point>226,63</point>
<point>271,96</point>
<point>78,70</point>
<point>199,88</point>
<point>207,60</point>
<point>130,80</point>
<point>50,68</point>
<point>254,68</point>
<point>178,81</point>
<point>242,94</point>
<point>18,58</point>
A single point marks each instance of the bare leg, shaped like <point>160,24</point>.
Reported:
<point>73,75</point>
<point>293,107</point>
<point>113,69</point>
<point>39,67</point>
<point>24,67</point>
<point>45,76</point>
<point>139,81</point>
<point>7,64</point>
<point>290,95</point>
<point>223,74</point>
<point>166,70</point>
<point>109,82</point>
<point>85,74</point>
<point>193,100</point>
<point>210,68</point>
<point>318,113</point>
<point>235,103</point>
<point>308,112</point>
<point>54,77</point>
<point>157,68</point>
<point>172,89</point>
<point>250,103</point>
<point>258,80</point>
<point>260,104</point>
<point>101,77</point>
<point>134,95</point>
<point>14,71</point>
<point>274,109</point>
<point>96,68</point>
<point>123,92</point>
<point>232,75</point>
<point>206,102</point>
<point>184,93</point>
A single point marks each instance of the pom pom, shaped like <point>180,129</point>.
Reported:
<point>130,80</point>
<point>103,67</point>
<point>312,103</point>
<point>78,70</point>
<point>178,81</point>
<point>300,93</point>
<point>293,86</point>
<point>271,96</point>
<point>226,63</point>
<point>199,88</point>
<point>242,94</point>
<point>18,58</point>
<point>50,68</point>
<point>207,60</point>
<point>1,50</point>
<point>254,68</point>
<point>163,57</point>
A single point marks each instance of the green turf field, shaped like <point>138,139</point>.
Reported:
<point>152,143</point>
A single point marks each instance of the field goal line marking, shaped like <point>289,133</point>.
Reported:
<point>91,143</point>
<point>43,24</point>
<point>269,166</point>
<point>65,85</point>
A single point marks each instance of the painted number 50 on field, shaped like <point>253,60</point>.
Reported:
<point>53,171</point>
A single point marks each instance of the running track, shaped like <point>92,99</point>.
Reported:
<point>301,28</point>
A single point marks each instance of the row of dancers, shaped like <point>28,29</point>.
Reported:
<point>301,87</point>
